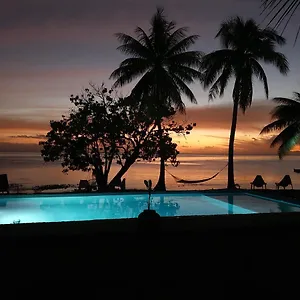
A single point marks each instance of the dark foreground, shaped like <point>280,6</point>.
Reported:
<point>250,247</point>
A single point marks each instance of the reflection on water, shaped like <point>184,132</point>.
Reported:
<point>56,209</point>
<point>255,204</point>
<point>31,209</point>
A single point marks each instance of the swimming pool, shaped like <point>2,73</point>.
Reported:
<point>82,207</point>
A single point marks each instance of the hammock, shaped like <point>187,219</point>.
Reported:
<point>179,180</point>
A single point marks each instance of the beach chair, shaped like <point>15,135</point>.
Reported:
<point>258,182</point>
<point>4,186</point>
<point>284,182</point>
<point>84,185</point>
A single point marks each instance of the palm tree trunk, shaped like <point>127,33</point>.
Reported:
<point>231,183</point>
<point>161,184</point>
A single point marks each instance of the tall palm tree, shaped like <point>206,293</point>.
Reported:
<point>280,13</point>
<point>245,44</point>
<point>286,118</point>
<point>160,58</point>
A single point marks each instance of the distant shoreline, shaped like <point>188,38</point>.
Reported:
<point>296,153</point>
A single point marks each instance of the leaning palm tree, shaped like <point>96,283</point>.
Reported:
<point>280,13</point>
<point>160,58</point>
<point>245,45</point>
<point>286,118</point>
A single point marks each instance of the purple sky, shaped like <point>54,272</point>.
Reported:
<point>51,49</point>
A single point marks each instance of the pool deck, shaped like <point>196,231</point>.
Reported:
<point>255,247</point>
<point>242,246</point>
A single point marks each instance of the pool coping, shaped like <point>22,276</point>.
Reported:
<point>208,193</point>
<point>168,225</point>
<point>133,192</point>
<point>174,225</point>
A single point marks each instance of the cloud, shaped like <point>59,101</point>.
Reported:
<point>24,136</point>
<point>209,137</point>
<point>23,124</point>
<point>215,137</point>
<point>218,117</point>
<point>258,146</point>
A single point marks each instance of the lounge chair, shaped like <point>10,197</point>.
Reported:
<point>84,185</point>
<point>258,182</point>
<point>4,186</point>
<point>285,181</point>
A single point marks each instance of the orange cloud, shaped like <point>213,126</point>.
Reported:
<point>7,125</point>
<point>216,117</point>
<point>210,136</point>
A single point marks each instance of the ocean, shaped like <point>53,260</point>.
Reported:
<point>29,169</point>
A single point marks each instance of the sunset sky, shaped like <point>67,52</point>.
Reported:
<point>51,49</point>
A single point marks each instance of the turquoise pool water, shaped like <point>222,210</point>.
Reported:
<point>59,208</point>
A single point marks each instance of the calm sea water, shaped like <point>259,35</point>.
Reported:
<point>29,170</point>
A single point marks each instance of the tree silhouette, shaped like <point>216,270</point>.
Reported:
<point>245,45</point>
<point>164,67</point>
<point>286,118</point>
<point>103,128</point>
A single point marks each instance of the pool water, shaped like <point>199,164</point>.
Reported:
<point>59,208</point>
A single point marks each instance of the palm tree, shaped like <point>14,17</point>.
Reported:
<point>164,65</point>
<point>280,12</point>
<point>245,44</point>
<point>286,118</point>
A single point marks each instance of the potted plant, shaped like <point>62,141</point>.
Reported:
<point>149,219</point>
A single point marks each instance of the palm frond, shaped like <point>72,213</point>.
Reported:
<point>227,31</point>
<point>160,31</point>
<point>176,36</point>
<point>259,72</point>
<point>246,90</point>
<point>218,88</point>
<point>212,65</point>
<point>162,60</point>
<point>272,35</point>
<point>280,12</point>
<point>126,74</point>
<point>296,96</point>
<point>135,62</point>
<point>288,145</point>
<point>185,89</point>
<point>287,119</point>
<point>188,74</point>
<point>144,87</point>
<point>187,59</point>
<point>131,46</point>
<point>287,112</point>
<point>183,45</point>
<point>277,59</point>
<point>144,38</point>
<point>169,88</point>
<point>286,101</point>
<point>286,135</point>
<point>275,126</point>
